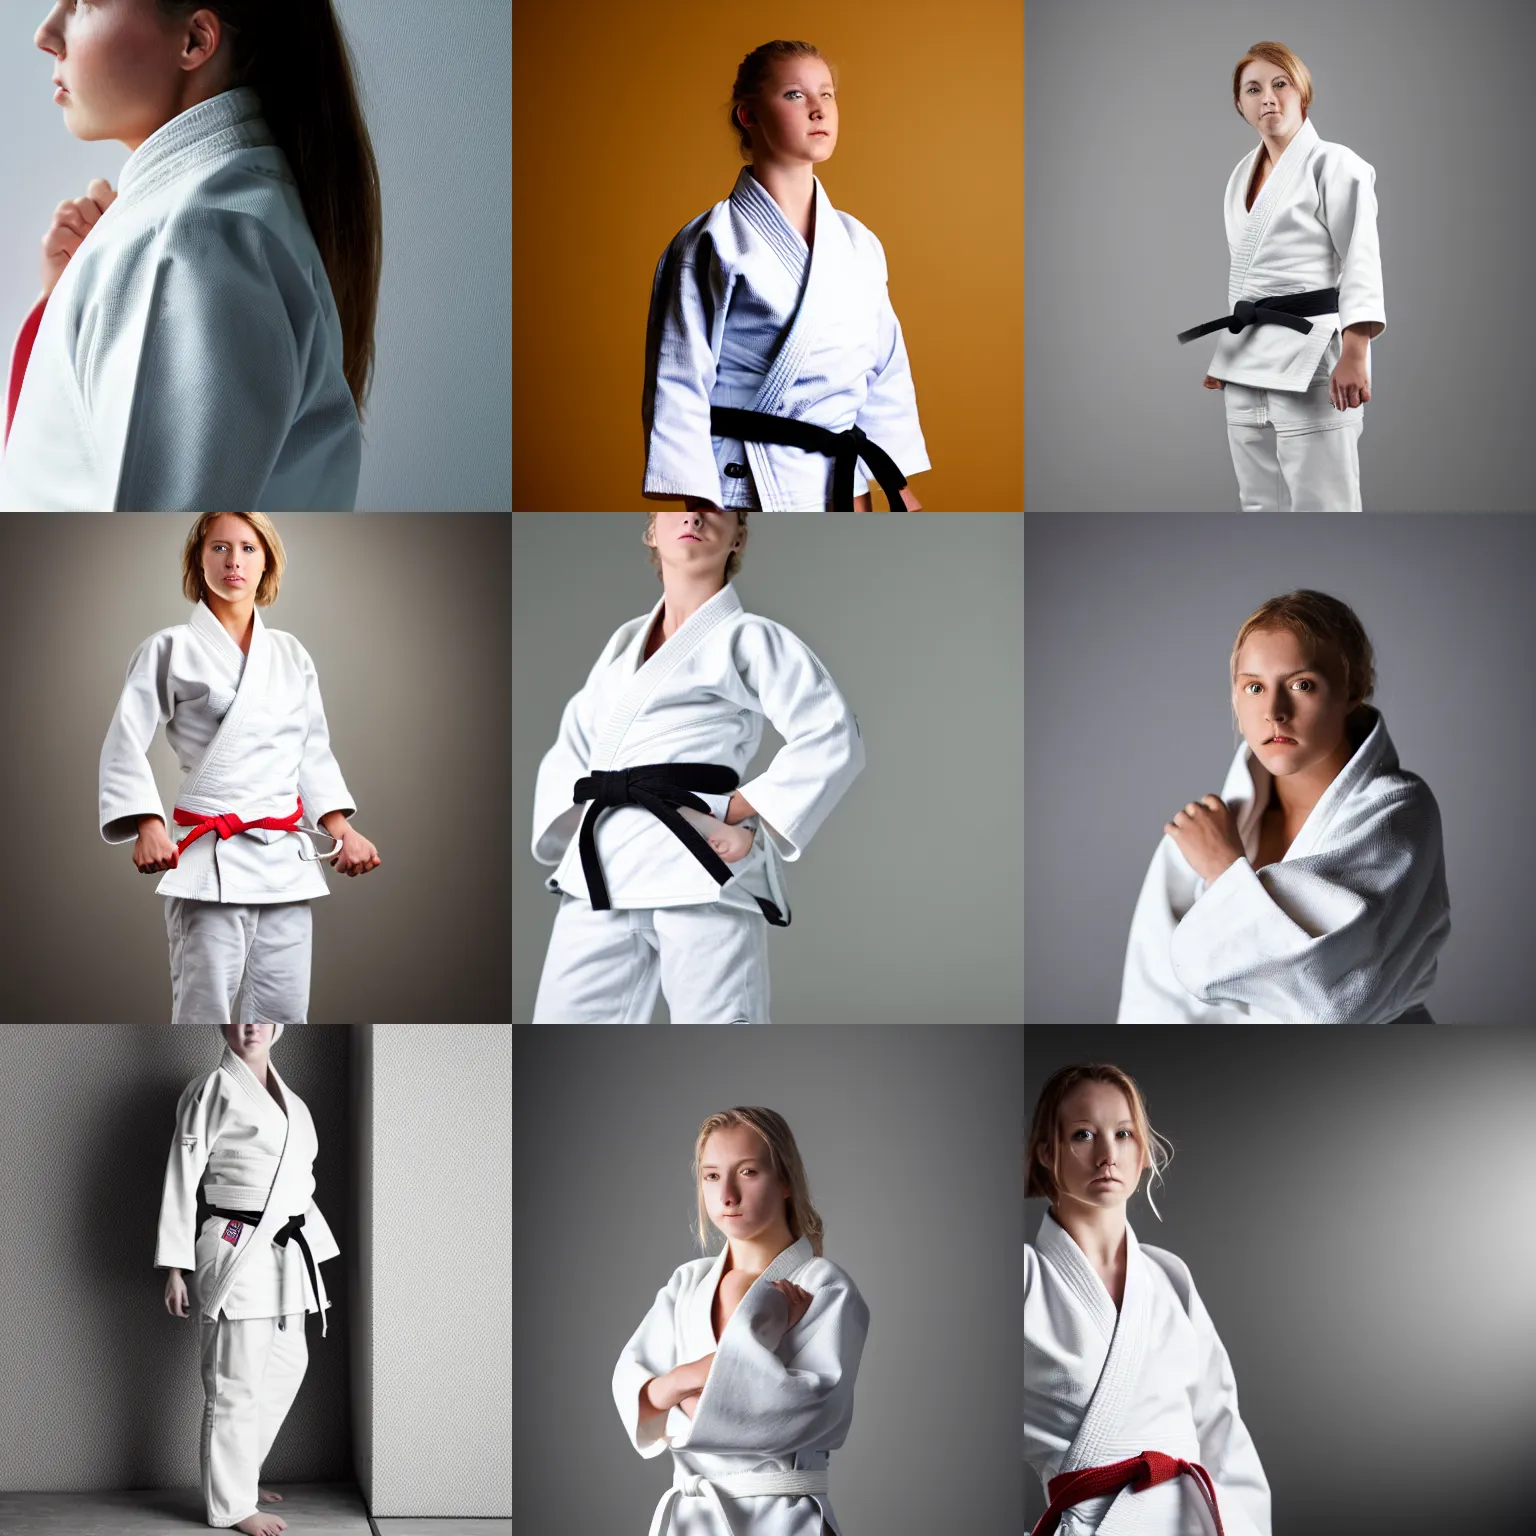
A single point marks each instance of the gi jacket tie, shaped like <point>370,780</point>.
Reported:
<point>1137,1473</point>
<point>845,449</point>
<point>658,788</point>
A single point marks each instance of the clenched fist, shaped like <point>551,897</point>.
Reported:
<point>1205,832</point>
<point>73,220</point>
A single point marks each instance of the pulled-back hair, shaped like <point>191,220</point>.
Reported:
<point>293,54</point>
<point>1325,624</point>
<point>753,71</point>
<point>783,1156</point>
<point>1282,58</point>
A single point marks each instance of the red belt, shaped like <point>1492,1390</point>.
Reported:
<point>1138,1474</point>
<point>229,824</point>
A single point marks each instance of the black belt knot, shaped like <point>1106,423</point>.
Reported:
<point>293,1229</point>
<point>1288,309</point>
<point>845,449</point>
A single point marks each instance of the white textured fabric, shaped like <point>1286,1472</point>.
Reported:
<point>1345,929</point>
<point>744,314</point>
<point>702,698</point>
<point>605,967</point>
<point>239,963</point>
<point>252,1371</point>
<point>1313,225</point>
<point>249,732</point>
<point>1102,1386</point>
<point>776,1399</point>
<point>250,1153</point>
<point>191,355</point>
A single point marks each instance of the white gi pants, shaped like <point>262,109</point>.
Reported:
<point>1292,450</point>
<point>710,961</point>
<point>233,964</point>
<point>251,1375</point>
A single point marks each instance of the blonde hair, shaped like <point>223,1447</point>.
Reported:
<point>1282,58</point>
<point>192,582</point>
<point>783,1156</point>
<point>1041,1178</point>
<point>1328,626</point>
<point>752,75</point>
<point>732,560</point>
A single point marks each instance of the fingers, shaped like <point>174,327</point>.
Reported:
<point>1213,802</point>
<point>101,190</point>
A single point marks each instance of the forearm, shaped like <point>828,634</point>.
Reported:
<point>1357,336</point>
<point>663,1393</point>
<point>334,822</point>
<point>739,808</point>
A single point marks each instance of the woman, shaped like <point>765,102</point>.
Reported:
<point>256,1258</point>
<point>204,336</point>
<point>774,361</point>
<point>1130,1406</point>
<point>1305,291</point>
<point>672,887</point>
<point>745,1365</point>
<point>1312,891</point>
<point>241,708</point>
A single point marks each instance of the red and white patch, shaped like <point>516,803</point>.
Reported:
<point>233,1230</point>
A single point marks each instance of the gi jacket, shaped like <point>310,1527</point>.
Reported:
<point>255,1157</point>
<point>191,355</point>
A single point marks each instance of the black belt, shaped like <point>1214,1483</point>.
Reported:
<point>658,788</point>
<point>1285,309</point>
<point>280,1237</point>
<point>845,449</point>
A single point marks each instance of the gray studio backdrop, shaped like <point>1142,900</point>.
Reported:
<point>910,1143</point>
<point>1128,716</point>
<point>907,906</point>
<point>101,1385</point>
<point>1362,1240</point>
<point>1132,135</point>
<point>434,77</point>
<point>405,617</point>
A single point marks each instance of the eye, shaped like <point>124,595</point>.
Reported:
<point>1126,1134</point>
<point>1249,687</point>
<point>788,94</point>
<point>1078,1134</point>
<point>1303,682</point>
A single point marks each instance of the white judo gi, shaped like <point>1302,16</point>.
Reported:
<point>701,698</point>
<point>191,355</point>
<point>254,1150</point>
<point>250,734</point>
<point>1102,1387</point>
<point>1312,226</point>
<point>1345,929</point>
<point>744,314</point>
<point>754,1456</point>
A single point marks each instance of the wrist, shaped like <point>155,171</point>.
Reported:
<point>151,821</point>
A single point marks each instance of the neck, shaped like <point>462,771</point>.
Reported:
<point>1099,1232</point>
<point>238,618</point>
<point>754,1255</point>
<point>1275,145</point>
<point>684,596</point>
<point>790,183</point>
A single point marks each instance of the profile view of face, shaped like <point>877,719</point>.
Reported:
<point>1270,100</point>
<point>742,1196</point>
<point>1291,706</point>
<point>796,110</point>
<point>1099,1156</point>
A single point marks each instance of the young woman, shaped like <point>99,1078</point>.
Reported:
<point>774,361</point>
<point>674,887</point>
<point>745,1365</point>
<point>256,1258</point>
<point>204,336</point>
<point>1306,298</point>
<point>1312,891</point>
<point>241,708</point>
<point>1130,1406</point>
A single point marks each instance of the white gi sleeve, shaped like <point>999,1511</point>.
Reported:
<point>321,785</point>
<point>223,343</point>
<point>889,413</point>
<point>689,300</point>
<point>126,781</point>
<point>823,751</point>
<point>1327,938</point>
<point>317,1232</point>
<point>199,1114</point>
<point>1347,188</point>
<point>775,1391</point>
<point>651,1352</point>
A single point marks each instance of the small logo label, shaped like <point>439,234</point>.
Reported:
<point>233,1230</point>
<point>736,471</point>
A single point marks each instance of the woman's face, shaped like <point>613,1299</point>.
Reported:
<point>127,70</point>
<point>1292,711</point>
<point>741,1195</point>
<point>1269,99</point>
<point>1099,1157</point>
<point>796,110</point>
<point>233,558</point>
<point>695,542</point>
<point>247,1040</point>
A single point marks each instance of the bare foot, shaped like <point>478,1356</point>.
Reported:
<point>266,1496</point>
<point>260,1525</point>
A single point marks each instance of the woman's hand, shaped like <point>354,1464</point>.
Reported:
<point>908,500</point>
<point>356,856</point>
<point>799,1300</point>
<point>1205,832</point>
<point>153,851</point>
<point>175,1294</point>
<point>1209,383</point>
<point>1350,384</point>
<point>73,220</point>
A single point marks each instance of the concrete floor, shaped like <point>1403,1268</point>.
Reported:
<point>310,1509</point>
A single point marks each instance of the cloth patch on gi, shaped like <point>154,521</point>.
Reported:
<point>736,471</point>
<point>233,1230</point>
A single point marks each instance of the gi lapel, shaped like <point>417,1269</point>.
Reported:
<point>1276,193</point>
<point>225,745</point>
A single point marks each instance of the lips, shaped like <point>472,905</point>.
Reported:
<point>691,538</point>
<point>1284,741</point>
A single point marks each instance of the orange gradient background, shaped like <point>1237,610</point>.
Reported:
<point>620,137</point>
